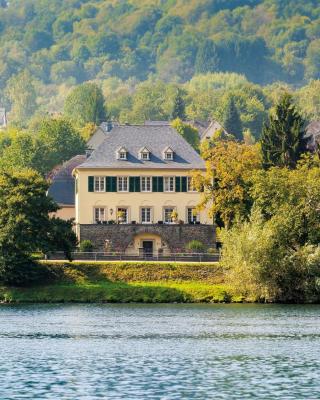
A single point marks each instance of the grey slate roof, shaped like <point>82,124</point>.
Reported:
<point>133,137</point>
<point>62,188</point>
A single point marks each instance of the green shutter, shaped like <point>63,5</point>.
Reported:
<point>184,184</point>
<point>178,184</point>
<point>160,183</point>
<point>91,183</point>
<point>154,183</point>
<point>108,184</point>
<point>131,184</point>
<point>137,183</point>
<point>113,183</point>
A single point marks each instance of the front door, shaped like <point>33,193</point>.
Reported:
<point>147,246</point>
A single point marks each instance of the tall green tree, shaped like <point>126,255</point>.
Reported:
<point>178,110</point>
<point>21,93</point>
<point>188,132</point>
<point>207,59</point>
<point>231,119</point>
<point>85,104</point>
<point>283,137</point>
<point>25,225</point>
<point>60,141</point>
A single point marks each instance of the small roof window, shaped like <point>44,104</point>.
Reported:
<point>122,153</point>
<point>168,153</point>
<point>144,154</point>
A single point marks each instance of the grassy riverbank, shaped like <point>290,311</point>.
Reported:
<point>147,282</point>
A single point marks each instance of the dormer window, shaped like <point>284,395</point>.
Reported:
<point>144,154</point>
<point>168,154</point>
<point>122,153</point>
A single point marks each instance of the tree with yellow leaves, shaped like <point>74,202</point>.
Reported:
<point>226,183</point>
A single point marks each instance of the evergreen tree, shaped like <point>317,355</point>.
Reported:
<point>207,59</point>
<point>231,120</point>
<point>178,110</point>
<point>283,138</point>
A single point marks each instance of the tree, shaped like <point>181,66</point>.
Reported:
<point>60,141</point>
<point>178,110</point>
<point>231,119</point>
<point>85,104</point>
<point>283,138</point>
<point>187,131</point>
<point>21,93</point>
<point>275,255</point>
<point>225,187</point>
<point>26,227</point>
<point>207,59</point>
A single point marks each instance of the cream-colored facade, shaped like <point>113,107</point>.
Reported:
<point>87,202</point>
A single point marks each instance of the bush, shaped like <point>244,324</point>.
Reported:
<point>262,265</point>
<point>196,246</point>
<point>86,246</point>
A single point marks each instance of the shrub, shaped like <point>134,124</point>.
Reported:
<point>196,246</point>
<point>86,246</point>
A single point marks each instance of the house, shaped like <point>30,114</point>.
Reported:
<point>3,118</point>
<point>210,132</point>
<point>134,192</point>
<point>62,187</point>
<point>313,136</point>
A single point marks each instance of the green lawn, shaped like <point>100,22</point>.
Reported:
<point>125,282</point>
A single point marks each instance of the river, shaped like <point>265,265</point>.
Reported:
<point>159,352</point>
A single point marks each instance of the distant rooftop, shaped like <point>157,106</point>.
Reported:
<point>62,188</point>
<point>3,117</point>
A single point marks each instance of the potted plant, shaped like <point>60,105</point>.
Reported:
<point>174,216</point>
<point>121,216</point>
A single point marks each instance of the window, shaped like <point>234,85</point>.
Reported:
<point>99,183</point>
<point>169,183</point>
<point>145,215</point>
<point>192,215</point>
<point>122,153</point>
<point>122,215</point>
<point>190,186</point>
<point>145,156</point>
<point>146,183</point>
<point>167,215</point>
<point>168,153</point>
<point>122,183</point>
<point>99,214</point>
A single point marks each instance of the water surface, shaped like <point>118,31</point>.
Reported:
<point>159,352</point>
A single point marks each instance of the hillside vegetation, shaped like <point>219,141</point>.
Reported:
<point>47,47</point>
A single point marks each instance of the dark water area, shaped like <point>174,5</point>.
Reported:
<point>159,352</point>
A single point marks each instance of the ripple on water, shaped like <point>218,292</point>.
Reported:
<point>159,352</point>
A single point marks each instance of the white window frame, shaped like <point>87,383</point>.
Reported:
<point>168,155</point>
<point>150,214</point>
<point>145,155</point>
<point>127,214</point>
<point>190,187</point>
<point>167,184</point>
<point>195,218</point>
<point>123,187</point>
<point>172,208</point>
<point>99,184</point>
<point>144,185</point>
<point>102,211</point>
<point>122,155</point>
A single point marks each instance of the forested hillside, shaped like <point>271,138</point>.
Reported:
<point>47,47</point>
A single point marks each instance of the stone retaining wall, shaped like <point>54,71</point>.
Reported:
<point>120,236</point>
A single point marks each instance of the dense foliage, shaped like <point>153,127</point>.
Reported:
<point>49,47</point>
<point>25,225</point>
